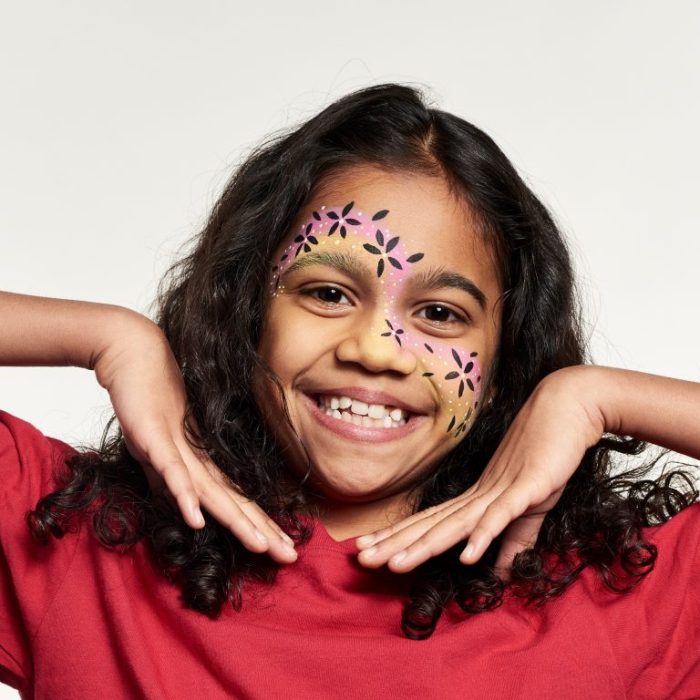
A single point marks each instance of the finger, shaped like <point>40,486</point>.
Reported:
<point>219,503</point>
<point>166,461</point>
<point>511,504</point>
<point>520,535</point>
<point>401,538</point>
<point>417,519</point>
<point>282,546</point>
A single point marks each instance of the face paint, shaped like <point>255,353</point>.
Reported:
<point>454,371</point>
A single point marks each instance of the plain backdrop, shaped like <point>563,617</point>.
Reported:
<point>121,121</point>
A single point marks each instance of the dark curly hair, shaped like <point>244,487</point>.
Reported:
<point>211,307</point>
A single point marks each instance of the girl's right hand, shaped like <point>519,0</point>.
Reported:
<point>146,388</point>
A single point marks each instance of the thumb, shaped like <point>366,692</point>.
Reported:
<point>520,535</point>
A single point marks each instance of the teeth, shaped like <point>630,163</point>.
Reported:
<point>374,415</point>
<point>376,410</point>
<point>359,408</point>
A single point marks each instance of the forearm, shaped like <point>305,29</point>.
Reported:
<point>660,410</point>
<point>45,331</point>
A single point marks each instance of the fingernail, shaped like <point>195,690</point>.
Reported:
<point>287,539</point>
<point>197,515</point>
<point>365,540</point>
<point>399,557</point>
<point>291,551</point>
<point>369,553</point>
<point>469,551</point>
<point>261,537</point>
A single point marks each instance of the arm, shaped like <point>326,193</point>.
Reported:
<point>568,412</point>
<point>656,409</point>
<point>133,361</point>
<point>43,331</point>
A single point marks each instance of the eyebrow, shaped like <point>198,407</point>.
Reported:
<point>430,279</point>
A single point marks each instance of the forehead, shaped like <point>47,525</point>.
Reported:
<point>422,210</point>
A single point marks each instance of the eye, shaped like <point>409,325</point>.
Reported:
<point>328,295</point>
<point>440,314</point>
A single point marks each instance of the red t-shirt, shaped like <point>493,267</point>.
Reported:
<point>78,620</point>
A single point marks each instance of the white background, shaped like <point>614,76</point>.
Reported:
<point>121,121</point>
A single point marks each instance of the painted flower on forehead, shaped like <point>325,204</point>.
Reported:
<point>339,220</point>
<point>386,245</point>
<point>304,239</point>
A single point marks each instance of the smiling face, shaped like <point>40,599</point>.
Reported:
<point>382,303</point>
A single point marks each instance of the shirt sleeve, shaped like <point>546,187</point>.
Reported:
<point>655,628</point>
<point>30,573</point>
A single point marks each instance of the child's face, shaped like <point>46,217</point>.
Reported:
<point>383,294</point>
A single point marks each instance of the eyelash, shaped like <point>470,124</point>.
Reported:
<point>311,292</point>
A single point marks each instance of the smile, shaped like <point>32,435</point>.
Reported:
<point>355,422</point>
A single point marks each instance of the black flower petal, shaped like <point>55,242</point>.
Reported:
<point>313,240</point>
<point>452,375</point>
<point>414,258</point>
<point>308,228</point>
<point>468,367</point>
<point>333,228</point>
<point>347,208</point>
<point>452,422</point>
<point>380,267</point>
<point>428,374</point>
<point>299,238</point>
<point>380,214</point>
<point>390,245</point>
<point>343,231</point>
<point>470,384</point>
<point>455,354</point>
<point>380,237</point>
<point>461,388</point>
<point>354,222</point>
<point>317,216</point>
<point>428,348</point>
<point>372,249</point>
<point>332,215</point>
<point>395,263</point>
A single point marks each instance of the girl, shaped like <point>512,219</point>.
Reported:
<point>376,334</point>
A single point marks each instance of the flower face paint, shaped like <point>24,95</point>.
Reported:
<point>329,236</point>
<point>382,288</point>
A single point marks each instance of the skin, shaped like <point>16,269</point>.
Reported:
<point>381,330</point>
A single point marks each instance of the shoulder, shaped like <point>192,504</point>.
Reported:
<point>654,629</point>
<point>30,463</point>
<point>30,573</point>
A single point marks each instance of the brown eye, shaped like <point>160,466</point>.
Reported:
<point>327,294</point>
<point>440,314</point>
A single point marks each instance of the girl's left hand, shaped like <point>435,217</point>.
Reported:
<point>522,481</point>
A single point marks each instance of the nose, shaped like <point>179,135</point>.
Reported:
<point>378,347</point>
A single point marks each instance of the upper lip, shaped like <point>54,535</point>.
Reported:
<point>370,396</point>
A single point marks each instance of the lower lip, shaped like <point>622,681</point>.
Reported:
<point>360,433</point>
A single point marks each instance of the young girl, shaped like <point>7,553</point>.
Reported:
<point>377,333</point>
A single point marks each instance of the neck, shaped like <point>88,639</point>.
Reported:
<point>344,520</point>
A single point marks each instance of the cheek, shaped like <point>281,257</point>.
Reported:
<point>454,371</point>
